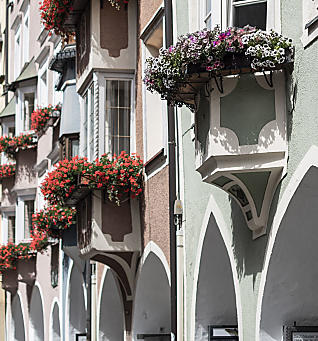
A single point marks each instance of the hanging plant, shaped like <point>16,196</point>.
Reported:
<point>53,219</point>
<point>7,170</point>
<point>118,175</point>
<point>116,3</point>
<point>41,116</point>
<point>53,15</point>
<point>39,240</point>
<point>10,145</point>
<point>11,252</point>
<point>213,52</point>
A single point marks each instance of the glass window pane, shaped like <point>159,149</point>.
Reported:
<point>208,22</point>
<point>11,229</point>
<point>74,147</point>
<point>111,93</point>
<point>124,94</point>
<point>28,109</point>
<point>207,7</point>
<point>254,15</point>
<point>28,211</point>
<point>124,122</point>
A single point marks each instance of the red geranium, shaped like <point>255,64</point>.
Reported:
<point>117,175</point>
<point>10,145</point>
<point>7,170</point>
<point>41,116</point>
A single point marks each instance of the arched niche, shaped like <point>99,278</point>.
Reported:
<point>76,301</point>
<point>151,313</point>
<point>215,300</point>
<point>36,329</point>
<point>55,324</point>
<point>17,321</point>
<point>290,293</point>
<point>111,323</point>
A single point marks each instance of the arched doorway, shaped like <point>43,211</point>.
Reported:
<point>111,323</point>
<point>152,299</point>
<point>215,296</point>
<point>77,310</point>
<point>55,333</point>
<point>36,330</point>
<point>290,292</point>
<point>17,322</point>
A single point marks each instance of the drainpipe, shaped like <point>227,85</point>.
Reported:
<point>180,294</point>
<point>9,4</point>
<point>172,178</point>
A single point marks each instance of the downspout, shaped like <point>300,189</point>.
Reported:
<point>6,51</point>
<point>172,178</point>
<point>94,305</point>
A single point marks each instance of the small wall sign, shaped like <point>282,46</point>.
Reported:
<point>301,333</point>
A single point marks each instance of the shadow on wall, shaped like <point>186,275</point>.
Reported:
<point>248,253</point>
<point>290,292</point>
<point>215,302</point>
<point>17,322</point>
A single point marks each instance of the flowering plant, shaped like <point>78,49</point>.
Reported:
<point>7,170</point>
<point>39,239</point>
<point>53,14</point>
<point>9,145</point>
<point>10,252</point>
<point>54,217</point>
<point>41,116</point>
<point>166,73</point>
<point>118,175</point>
<point>116,3</point>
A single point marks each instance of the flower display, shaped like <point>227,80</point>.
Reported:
<point>118,175</point>
<point>41,116</point>
<point>53,219</point>
<point>53,14</point>
<point>39,240</point>
<point>9,145</point>
<point>7,170</point>
<point>11,252</point>
<point>166,73</point>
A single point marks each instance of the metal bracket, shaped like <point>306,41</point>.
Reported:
<point>219,84</point>
<point>270,80</point>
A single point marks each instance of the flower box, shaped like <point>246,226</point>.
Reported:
<point>180,72</point>
<point>10,280</point>
<point>26,270</point>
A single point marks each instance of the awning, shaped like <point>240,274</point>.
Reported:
<point>9,110</point>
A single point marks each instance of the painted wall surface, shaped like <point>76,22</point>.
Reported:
<point>301,100</point>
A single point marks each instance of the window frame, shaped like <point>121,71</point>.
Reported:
<point>308,25</point>
<point>101,78</point>
<point>87,101</point>
<point>20,106</point>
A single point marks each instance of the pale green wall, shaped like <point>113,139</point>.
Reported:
<point>302,132</point>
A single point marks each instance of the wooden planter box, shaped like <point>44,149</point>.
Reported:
<point>26,269</point>
<point>10,280</point>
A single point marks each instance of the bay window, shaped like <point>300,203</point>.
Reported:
<point>118,115</point>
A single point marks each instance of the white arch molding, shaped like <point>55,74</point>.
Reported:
<point>309,160</point>
<point>75,316</point>
<point>110,308</point>
<point>17,330</point>
<point>55,318</point>
<point>151,306</point>
<point>37,325</point>
<point>213,209</point>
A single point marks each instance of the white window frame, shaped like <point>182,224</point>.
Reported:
<point>223,13</point>
<point>43,93</point>
<point>18,53</point>
<point>19,106</point>
<point>5,225</point>
<point>26,36</point>
<point>102,77</point>
<point>309,23</point>
<point>19,219</point>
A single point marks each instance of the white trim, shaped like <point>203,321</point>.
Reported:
<point>212,208</point>
<point>309,160</point>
